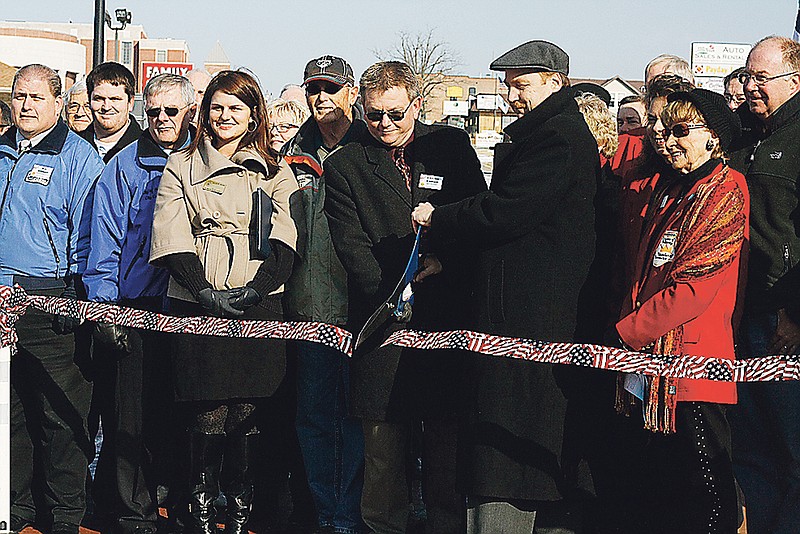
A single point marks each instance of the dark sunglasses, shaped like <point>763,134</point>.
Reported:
<point>682,129</point>
<point>316,88</point>
<point>170,111</point>
<point>394,116</point>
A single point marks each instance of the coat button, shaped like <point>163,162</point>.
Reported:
<point>216,215</point>
<point>638,304</point>
<point>241,173</point>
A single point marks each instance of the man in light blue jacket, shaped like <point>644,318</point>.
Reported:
<point>46,175</point>
<point>135,432</point>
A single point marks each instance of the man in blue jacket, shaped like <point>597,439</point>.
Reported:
<point>46,173</point>
<point>118,271</point>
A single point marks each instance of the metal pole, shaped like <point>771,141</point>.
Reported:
<point>5,438</point>
<point>116,45</point>
<point>98,52</point>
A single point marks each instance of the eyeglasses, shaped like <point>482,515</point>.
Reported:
<point>682,129</point>
<point>316,88</point>
<point>760,79</point>
<point>283,127</point>
<point>394,116</point>
<point>736,99</point>
<point>73,108</point>
<point>170,111</point>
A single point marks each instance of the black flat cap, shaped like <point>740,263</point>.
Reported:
<point>718,116</point>
<point>539,56</point>
<point>592,88</point>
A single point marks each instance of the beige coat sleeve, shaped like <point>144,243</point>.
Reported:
<point>281,187</point>
<point>172,231</point>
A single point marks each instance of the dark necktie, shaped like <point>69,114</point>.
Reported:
<point>400,161</point>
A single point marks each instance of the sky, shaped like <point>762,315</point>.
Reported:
<point>276,39</point>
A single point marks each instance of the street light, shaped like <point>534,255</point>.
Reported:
<point>123,17</point>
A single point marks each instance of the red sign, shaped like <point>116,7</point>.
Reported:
<point>150,70</point>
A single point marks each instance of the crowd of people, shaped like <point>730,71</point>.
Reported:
<point>668,229</point>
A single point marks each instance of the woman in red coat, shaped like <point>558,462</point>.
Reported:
<point>683,292</point>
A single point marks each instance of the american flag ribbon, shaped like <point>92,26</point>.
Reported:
<point>767,368</point>
<point>14,301</point>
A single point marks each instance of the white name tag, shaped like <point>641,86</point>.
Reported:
<point>39,174</point>
<point>666,248</point>
<point>430,181</point>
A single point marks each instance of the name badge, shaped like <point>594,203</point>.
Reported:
<point>666,248</point>
<point>214,187</point>
<point>39,174</point>
<point>430,181</point>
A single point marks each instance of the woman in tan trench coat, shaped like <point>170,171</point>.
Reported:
<point>223,227</point>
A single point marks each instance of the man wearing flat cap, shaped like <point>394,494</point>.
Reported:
<point>534,238</point>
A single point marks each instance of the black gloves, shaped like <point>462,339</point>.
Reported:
<point>244,297</point>
<point>218,302</point>
<point>61,323</point>
<point>112,335</point>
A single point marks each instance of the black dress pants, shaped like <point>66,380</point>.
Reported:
<point>49,404</point>
<point>137,421</point>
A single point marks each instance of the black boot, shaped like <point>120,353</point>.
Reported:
<point>205,457</point>
<point>238,482</point>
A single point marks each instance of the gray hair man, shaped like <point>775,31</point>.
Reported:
<point>118,272</point>
<point>765,423</point>
<point>668,64</point>
<point>77,110</point>
<point>50,171</point>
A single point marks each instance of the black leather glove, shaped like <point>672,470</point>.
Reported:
<point>244,297</point>
<point>112,335</point>
<point>217,302</point>
<point>61,323</point>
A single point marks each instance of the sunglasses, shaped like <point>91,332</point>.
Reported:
<point>316,88</point>
<point>170,111</point>
<point>394,116</point>
<point>682,129</point>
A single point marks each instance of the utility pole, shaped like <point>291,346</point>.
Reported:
<point>98,50</point>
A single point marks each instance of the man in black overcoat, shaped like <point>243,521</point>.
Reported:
<point>535,241</point>
<point>372,186</point>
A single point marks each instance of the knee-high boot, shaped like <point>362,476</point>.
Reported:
<point>205,457</point>
<point>237,481</point>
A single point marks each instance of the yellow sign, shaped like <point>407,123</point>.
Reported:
<point>455,91</point>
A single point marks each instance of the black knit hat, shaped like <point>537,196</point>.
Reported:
<point>718,116</point>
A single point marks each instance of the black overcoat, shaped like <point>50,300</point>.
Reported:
<point>535,233</point>
<point>369,209</point>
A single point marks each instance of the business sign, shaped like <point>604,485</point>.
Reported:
<point>491,103</point>
<point>455,108</point>
<point>716,60</point>
<point>151,69</point>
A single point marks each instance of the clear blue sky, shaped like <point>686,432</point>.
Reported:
<point>276,39</point>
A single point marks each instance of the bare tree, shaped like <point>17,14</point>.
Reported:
<point>430,58</point>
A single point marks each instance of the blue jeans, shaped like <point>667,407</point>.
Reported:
<point>332,443</point>
<point>766,439</point>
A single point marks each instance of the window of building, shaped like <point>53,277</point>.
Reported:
<point>161,56</point>
<point>126,53</point>
<point>473,91</point>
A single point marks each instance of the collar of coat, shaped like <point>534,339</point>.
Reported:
<point>215,163</point>
<point>308,137</point>
<point>558,102</point>
<point>131,135</point>
<point>52,143</point>
<point>376,151</point>
<point>149,153</point>
<point>786,113</point>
